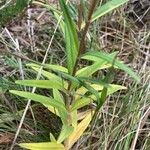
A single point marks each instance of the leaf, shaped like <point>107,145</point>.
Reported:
<point>48,6</point>
<point>42,146</point>
<point>61,24</point>
<point>74,117</point>
<point>81,103</point>
<point>93,80</point>
<point>111,89</point>
<point>56,67</point>
<point>107,7</point>
<point>70,78</point>
<point>50,75</point>
<point>47,74</point>
<point>49,66</point>
<point>53,110</point>
<point>52,138</point>
<point>114,88</point>
<point>47,84</point>
<point>65,133</point>
<point>82,90</point>
<point>82,126</point>
<point>57,96</point>
<point>71,37</point>
<point>97,65</point>
<point>98,59</point>
<point>89,70</point>
<point>47,101</point>
<point>91,90</point>
<point>117,63</point>
<point>62,74</point>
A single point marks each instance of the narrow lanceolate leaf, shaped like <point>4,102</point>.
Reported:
<point>48,7</point>
<point>42,146</point>
<point>48,74</point>
<point>58,97</point>
<point>107,7</point>
<point>97,59</point>
<point>110,90</point>
<point>47,84</point>
<point>81,103</point>
<point>61,25</point>
<point>65,133</point>
<point>46,101</point>
<point>82,126</point>
<point>61,74</point>
<point>74,117</point>
<point>82,90</point>
<point>89,70</point>
<point>117,63</point>
<point>53,110</point>
<point>71,38</point>
<point>52,138</point>
<point>97,65</point>
<point>91,90</point>
<point>49,66</point>
<point>114,88</point>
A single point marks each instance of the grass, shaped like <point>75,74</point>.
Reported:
<point>124,119</point>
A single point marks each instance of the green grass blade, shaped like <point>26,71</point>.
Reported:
<point>117,63</point>
<point>107,7</point>
<point>71,38</point>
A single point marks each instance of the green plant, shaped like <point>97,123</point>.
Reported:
<point>73,88</point>
<point>10,9</point>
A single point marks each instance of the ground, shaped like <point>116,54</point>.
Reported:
<point>124,119</point>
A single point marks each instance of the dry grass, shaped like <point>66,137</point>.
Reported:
<point>123,122</point>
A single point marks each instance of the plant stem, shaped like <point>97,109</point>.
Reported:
<point>82,43</point>
<point>81,50</point>
<point>80,12</point>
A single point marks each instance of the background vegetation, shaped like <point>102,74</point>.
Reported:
<point>123,121</point>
